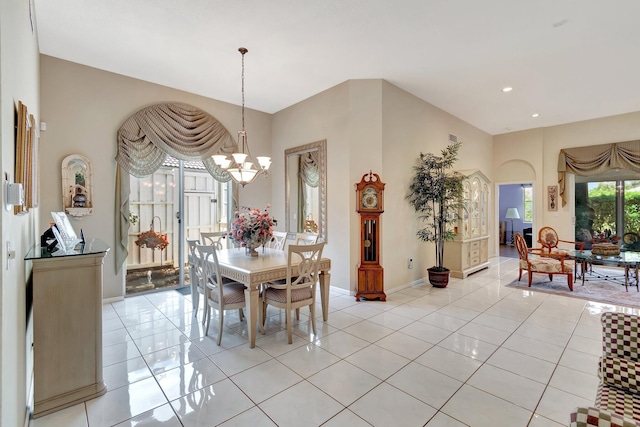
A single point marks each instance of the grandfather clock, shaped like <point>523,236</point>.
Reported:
<point>370,205</point>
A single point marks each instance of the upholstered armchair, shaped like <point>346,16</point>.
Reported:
<point>537,260</point>
<point>618,397</point>
<point>549,240</point>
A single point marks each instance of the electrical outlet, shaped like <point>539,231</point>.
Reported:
<point>410,263</point>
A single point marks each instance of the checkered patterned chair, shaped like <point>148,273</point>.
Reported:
<point>618,398</point>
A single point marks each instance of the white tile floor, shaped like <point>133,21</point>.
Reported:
<point>476,353</point>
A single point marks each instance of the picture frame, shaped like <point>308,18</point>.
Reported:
<point>64,226</point>
<point>26,159</point>
<point>552,198</point>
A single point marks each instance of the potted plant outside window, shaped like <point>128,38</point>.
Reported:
<point>435,193</point>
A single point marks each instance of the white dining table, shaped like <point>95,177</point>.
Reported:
<point>270,264</point>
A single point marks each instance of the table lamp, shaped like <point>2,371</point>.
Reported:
<point>512,213</point>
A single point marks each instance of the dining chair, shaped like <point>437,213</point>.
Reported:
<point>215,238</point>
<point>306,239</point>
<point>278,240</point>
<point>218,296</point>
<point>299,289</point>
<point>536,260</point>
<point>194,273</point>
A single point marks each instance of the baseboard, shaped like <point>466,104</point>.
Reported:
<point>113,299</point>
<point>397,288</point>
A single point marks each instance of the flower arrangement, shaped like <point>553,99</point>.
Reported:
<point>252,228</point>
<point>152,239</point>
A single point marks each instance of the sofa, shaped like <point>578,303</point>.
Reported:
<point>617,401</point>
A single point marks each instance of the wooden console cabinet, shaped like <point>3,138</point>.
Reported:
<point>469,252</point>
<point>67,326</point>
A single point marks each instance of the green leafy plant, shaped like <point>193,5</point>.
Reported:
<point>435,193</point>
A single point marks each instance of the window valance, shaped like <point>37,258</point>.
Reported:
<point>596,159</point>
<point>148,136</point>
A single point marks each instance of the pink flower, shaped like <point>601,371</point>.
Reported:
<point>252,227</point>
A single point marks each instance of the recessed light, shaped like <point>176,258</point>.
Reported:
<point>534,115</point>
<point>507,89</point>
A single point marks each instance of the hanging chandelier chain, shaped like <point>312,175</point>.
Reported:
<point>243,51</point>
<point>242,171</point>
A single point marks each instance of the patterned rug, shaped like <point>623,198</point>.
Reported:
<point>594,289</point>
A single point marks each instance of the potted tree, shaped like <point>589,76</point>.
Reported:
<point>435,193</point>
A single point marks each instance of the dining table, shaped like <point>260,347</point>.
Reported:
<point>269,265</point>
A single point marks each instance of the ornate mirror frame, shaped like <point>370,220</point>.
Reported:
<point>291,155</point>
<point>77,186</point>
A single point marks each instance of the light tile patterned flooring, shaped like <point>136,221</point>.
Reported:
<point>476,353</point>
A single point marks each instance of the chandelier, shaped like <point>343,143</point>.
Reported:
<point>242,171</point>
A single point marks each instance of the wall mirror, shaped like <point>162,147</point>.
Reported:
<point>77,186</point>
<point>306,189</point>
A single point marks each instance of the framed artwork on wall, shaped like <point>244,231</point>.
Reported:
<point>552,198</point>
<point>26,159</point>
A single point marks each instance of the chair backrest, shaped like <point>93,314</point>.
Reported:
<point>191,244</point>
<point>306,239</point>
<point>548,238</point>
<point>208,267</point>
<point>307,269</point>
<point>620,335</point>
<point>214,238</point>
<point>521,246</point>
<point>278,240</point>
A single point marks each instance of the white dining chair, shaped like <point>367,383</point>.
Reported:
<point>194,274</point>
<point>215,238</point>
<point>306,239</point>
<point>218,296</point>
<point>278,240</point>
<point>299,290</point>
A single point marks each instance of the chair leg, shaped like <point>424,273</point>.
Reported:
<point>298,314</point>
<point>312,310</point>
<point>261,315</point>
<point>551,277</point>
<point>206,312</point>
<point>221,317</point>
<point>570,280</point>
<point>520,275</point>
<point>241,314</point>
<point>289,327</point>
<point>530,277</point>
<point>206,332</point>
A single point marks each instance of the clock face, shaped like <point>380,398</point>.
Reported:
<point>369,198</point>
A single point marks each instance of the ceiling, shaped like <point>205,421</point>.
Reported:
<point>567,60</point>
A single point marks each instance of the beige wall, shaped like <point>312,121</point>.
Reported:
<point>323,116</point>
<point>373,125</point>
<point>83,108</point>
<point>540,148</point>
<point>18,82</point>
<point>412,126</point>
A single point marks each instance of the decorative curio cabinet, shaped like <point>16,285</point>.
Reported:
<point>469,252</point>
<point>370,205</point>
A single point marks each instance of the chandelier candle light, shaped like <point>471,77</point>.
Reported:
<point>240,170</point>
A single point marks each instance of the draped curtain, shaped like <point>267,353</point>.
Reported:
<point>596,159</point>
<point>308,174</point>
<point>148,136</point>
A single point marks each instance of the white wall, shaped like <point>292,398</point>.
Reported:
<point>84,108</point>
<point>18,82</point>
